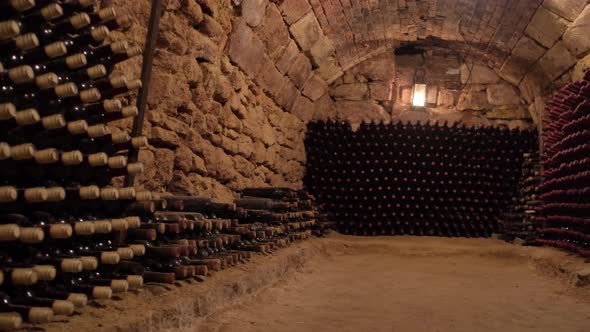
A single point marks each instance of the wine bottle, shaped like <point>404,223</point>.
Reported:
<point>17,75</point>
<point>28,313</point>
<point>10,321</point>
<point>56,30</point>
<point>22,43</point>
<point>83,75</point>
<point>116,48</point>
<point>42,98</point>
<point>30,21</point>
<point>105,14</point>
<point>117,23</point>
<point>23,296</point>
<point>15,7</point>
<point>71,6</point>
<point>110,61</point>
<point>10,118</point>
<point>36,55</point>
<point>128,87</point>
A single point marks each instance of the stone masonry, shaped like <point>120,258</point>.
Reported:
<point>236,81</point>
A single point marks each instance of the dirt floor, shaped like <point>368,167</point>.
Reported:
<point>343,283</point>
<point>414,284</point>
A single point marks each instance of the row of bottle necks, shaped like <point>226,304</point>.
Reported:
<point>398,181</point>
<point>33,221</point>
<point>420,229</point>
<point>419,144</point>
<point>43,284</point>
<point>13,199</point>
<point>567,188</point>
<point>416,142</point>
<point>519,218</point>
<point>39,226</point>
<point>425,163</point>
<point>335,129</point>
<point>24,33</point>
<point>155,263</point>
<point>562,221</point>
<point>50,167</point>
<point>443,165</point>
<point>38,85</point>
<point>556,144</point>
<point>568,119</point>
<point>414,191</point>
<point>576,236</point>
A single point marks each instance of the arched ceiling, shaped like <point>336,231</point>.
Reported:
<point>532,44</point>
<point>361,27</point>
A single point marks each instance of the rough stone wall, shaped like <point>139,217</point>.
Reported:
<point>364,92</point>
<point>212,128</point>
<point>381,89</point>
<point>280,45</point>
<point>554,50</point>
<point>458,89</point>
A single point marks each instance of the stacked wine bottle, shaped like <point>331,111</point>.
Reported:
<point>60,216</point>
<point>565,212</point>
<point>277,216</point>
<point>417,179</point>
<point>186,236</point>
<point>520,219</point>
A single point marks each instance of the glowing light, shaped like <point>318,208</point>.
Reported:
<point>419,98</point>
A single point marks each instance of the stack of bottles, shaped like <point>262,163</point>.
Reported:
<point>417,179</point>
<point>274,217</point>
<point>565,191</point>
<point>59,215</point>
<point>186,237</point>
<point>520,219</point>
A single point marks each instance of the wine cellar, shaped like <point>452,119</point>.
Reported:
<point>264,165</point>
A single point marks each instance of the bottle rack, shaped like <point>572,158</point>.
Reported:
<point>422,179</point>
<point>565,191</point>
<point>61,218</point>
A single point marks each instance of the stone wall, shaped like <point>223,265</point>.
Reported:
<point>458,89</point>
<point>554,50</point>
<point>381,89</point>
<point>364,92</point>
<point>280,45</point>
<point>214,126</point>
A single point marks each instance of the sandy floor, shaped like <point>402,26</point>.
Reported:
<point>410,284</point>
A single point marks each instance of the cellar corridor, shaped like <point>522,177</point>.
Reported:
<point>294,165</point>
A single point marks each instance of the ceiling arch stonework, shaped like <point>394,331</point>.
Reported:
<point>359,27</point>
<point>532,44</point>
<point>535,45</point>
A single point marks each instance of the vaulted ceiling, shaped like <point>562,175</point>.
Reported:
<point>360,27</point>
